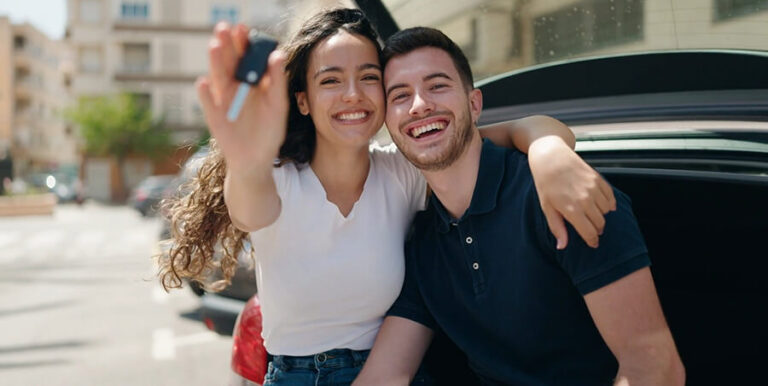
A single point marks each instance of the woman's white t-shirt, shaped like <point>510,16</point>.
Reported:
<point>325,281</point>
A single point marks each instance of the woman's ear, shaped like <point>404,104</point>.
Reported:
<point>301,101</point>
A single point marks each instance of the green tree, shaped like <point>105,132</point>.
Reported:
<point>117,126</point>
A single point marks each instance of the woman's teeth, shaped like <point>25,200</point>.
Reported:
<point>352,116</point>
<point>417,132</point>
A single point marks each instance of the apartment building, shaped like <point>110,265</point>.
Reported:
<point>154,49</point>
<point>503,35</point>
<point>34,91</point>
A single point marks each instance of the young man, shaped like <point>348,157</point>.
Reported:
<point>482,266</point>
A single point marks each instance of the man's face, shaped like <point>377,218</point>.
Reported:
<point>430,113</point>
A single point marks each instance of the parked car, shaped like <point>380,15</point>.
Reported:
<point>685,135</point>
<point>146,196</point>
<point>66,187</point>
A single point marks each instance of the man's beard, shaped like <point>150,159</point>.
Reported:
<point>457,144</point>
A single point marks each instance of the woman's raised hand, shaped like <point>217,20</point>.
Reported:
<point>255,137</point>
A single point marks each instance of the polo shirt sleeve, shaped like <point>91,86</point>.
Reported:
<point>410,303</point>
<point>622,249</point>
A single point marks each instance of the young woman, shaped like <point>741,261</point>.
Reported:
<point>327,221</point>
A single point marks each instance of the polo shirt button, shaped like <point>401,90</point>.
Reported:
<point>468,240</point>
<point>475,266</point>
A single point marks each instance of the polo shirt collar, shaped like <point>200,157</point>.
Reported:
<point>489,178</point>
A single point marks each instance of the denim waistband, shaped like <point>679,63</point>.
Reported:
<point>336,358</point>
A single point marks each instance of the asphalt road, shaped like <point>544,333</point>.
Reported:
<point>80,305</point>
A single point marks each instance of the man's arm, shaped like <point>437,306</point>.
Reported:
<point>628,315</point>
<point>396,354</point>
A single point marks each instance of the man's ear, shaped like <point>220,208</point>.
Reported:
<point>302,102</point>
<point>475,104</point>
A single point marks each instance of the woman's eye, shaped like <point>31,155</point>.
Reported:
<point>329,81</point>
<point>372,77</point>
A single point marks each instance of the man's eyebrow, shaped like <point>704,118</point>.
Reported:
<point>426,78</point>
<point>365,66</point>
<point>437,75</point>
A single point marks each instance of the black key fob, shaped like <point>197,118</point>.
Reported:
<point>254,61</point>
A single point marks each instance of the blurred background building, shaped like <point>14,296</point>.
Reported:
<point>34,90</point>
<point>154,50</point>
<point>504,35</point>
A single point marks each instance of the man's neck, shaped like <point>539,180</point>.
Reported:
<point>455,184</point>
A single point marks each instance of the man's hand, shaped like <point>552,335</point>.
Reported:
<point>569,189</point>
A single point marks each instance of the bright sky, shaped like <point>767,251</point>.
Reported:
<point>49,16</point>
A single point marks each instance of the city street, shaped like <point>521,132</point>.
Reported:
<point>80,305</point>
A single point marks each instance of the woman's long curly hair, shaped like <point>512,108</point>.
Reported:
<point>199,221</point>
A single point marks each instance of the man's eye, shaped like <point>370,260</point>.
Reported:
<point>329,81</point>
<point>371,77</point>
<point>439,86</point>
<point>399,96</point>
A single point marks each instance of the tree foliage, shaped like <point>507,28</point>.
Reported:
<point>119,125</point>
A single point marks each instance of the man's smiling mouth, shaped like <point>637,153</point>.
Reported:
<point>428,129</point>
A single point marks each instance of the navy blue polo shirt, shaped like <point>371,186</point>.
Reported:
<point>494,282</point>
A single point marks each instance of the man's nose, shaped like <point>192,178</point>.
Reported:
<point>421,105</point>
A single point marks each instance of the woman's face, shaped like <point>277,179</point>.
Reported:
<point>344,90</point>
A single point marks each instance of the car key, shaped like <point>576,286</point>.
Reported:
<point>251,67</point>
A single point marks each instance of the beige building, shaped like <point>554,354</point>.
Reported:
<point>154,49</point>
<point>503,35</point>
<point>34,91</point>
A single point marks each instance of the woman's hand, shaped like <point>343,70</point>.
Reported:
<point>259,131</point>
<point>569,188</point>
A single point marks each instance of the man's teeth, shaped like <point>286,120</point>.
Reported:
<point>417,132</point>
<point>352,116</point>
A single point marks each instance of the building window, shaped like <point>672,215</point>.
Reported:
<point>136,57</point>
<point>134,11</point>
<point>19,42</point>
<point>224,13</point>
<point>586,26</point>
<point>90,59</point>
<point>90,11</point>
<point>728,9</point>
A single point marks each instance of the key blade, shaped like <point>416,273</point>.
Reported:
<point>238,101</point>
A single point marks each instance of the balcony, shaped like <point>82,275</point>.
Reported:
<point>159,77</point>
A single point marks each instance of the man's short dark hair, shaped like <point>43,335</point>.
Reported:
<point>414,38</point>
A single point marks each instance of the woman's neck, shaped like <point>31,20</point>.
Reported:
<point>342,172</point>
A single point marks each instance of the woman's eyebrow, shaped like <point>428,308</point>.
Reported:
<point>323,70</point>
<point>368,66</point>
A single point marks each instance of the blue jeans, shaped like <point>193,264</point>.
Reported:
<point>334,367</point>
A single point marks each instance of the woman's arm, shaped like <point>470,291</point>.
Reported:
<point>251,142</point>
<point>522,133</point>
<point>568,188</point>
